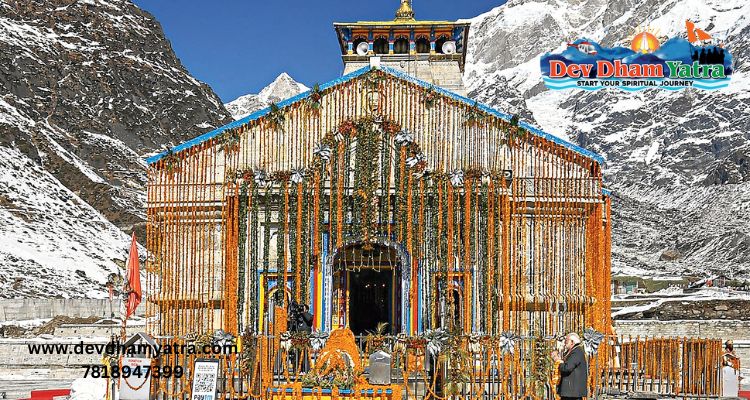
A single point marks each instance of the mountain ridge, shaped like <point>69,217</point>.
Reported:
<point>678,163</point>
<point>283,87</point>
<point>89,88</point>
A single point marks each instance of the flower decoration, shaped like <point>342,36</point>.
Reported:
<point>300,341</point>
<point>474,116</point>
<point>376,340</point>
<point>203,339</point>
<point>390,127</point>
<point>399,347</point>
<point>285,341</point>
<point>318,340</point>
<point>221,338</point>
<point>436,340</point>
<point>172,161</point>
<point>457,178</point>
<point>474,343</point>
<point>297,175</point>
<point>591,340</point>
<point>261,178</point>
<point>229,141</point>
<point>404,138</point>
<point>430,97</point>
<point>313,100</point>
<point>508,342</point>
<point>249,354</point>
<point>347,128</point>
<point>415,160</point>
<point>373,79</point>
<point>323,151</point>
<point>246,175</point>
<point>275,117</point>
<point>473,173</point>
<point>281,176</point>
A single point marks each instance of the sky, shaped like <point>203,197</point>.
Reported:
<point>240,46</point>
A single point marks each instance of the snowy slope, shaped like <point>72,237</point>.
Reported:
<point>87,89</point>
<point>678,162</point>
<point>53,243</point>
<point>281,88</point>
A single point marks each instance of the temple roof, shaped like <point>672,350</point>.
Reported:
<point>404,16</point>
<point>410,22</point>
<point>405,12</point>
<point>354,75</point>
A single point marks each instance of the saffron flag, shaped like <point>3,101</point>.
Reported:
<point>132,289</point>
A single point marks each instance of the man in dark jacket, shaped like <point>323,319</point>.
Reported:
<point>573,369</point>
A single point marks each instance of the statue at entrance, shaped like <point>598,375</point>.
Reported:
<point>299,318</point>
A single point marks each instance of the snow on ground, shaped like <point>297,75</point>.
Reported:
<point>88,389</point>
<point>44,225</point>
<point>638,308</point>
<point>26,323</point>
<point>674,294</point>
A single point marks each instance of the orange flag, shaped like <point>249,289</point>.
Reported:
<point>133,283</point>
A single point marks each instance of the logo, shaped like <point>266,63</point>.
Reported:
<point>645,61</point>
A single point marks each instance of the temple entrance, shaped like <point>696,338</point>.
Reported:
<point>367,288</point>
<point>370,300</point>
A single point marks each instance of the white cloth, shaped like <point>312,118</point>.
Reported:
<point>730,385</point>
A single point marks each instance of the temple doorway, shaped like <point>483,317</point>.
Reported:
<point>370,299</point>
<point>368,286</point>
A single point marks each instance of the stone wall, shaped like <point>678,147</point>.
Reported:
<point>26,309</point>
<point>720,329</point>
<point>711,309</point>
<point>15,354</point>
<point>96,330</point>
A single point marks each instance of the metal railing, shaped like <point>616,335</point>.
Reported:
<point>466,367</point>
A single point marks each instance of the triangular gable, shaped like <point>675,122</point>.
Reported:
<point>349,77</point>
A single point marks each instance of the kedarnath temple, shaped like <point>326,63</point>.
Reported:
<point>381,197</point>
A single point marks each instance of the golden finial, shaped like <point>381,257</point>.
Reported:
<point>405,12</point>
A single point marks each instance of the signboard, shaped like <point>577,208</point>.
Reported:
<point>135,387</point>
<point>205,374</point>
<point>642,61</point>
<point>380,368</point>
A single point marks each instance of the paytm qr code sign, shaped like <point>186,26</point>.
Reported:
<point>205,374</point>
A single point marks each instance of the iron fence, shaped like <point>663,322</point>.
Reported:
<point>464,367</point>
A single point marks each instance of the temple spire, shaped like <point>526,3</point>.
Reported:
<point>405,12</point>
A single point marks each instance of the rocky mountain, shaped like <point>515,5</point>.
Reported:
<point>87,89</point>
<point>281,88</point>
<point>678,163</point>
<point>90,87</point>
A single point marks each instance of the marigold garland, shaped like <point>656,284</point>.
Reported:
<point>466,229</point>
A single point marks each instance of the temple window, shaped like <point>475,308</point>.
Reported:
<point>380,46</point>
<point>401,46</point>
<point>423,45</point>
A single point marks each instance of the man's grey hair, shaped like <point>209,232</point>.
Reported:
<point>574,337</point>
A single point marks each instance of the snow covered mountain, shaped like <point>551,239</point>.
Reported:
<point>87,89</point>
<point>281,88</point>
<point>678,162</point>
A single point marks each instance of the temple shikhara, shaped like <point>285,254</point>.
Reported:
<point>382,196</point>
